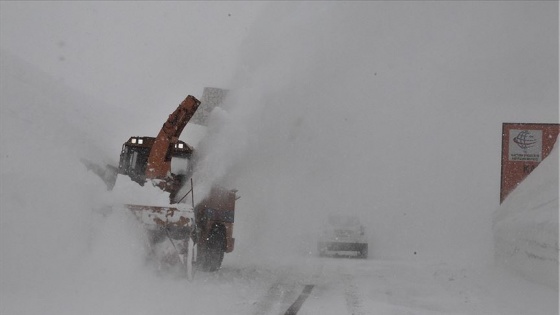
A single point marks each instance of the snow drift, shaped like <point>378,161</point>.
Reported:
<point>526,225</point>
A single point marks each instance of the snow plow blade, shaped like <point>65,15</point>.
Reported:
<point>167,217</point>
<point>171,234</point>
<point>107,173</point>
<point>161,222</point>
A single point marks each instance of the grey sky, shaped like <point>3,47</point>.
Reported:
<point>129,53</point>
<point>146,53</point>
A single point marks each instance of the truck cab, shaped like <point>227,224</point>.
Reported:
<point>343,235</point>
<point>135,152</point>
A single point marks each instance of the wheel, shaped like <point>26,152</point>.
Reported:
<point>212,255</point>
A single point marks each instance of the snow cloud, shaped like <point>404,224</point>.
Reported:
<point>389,110</point>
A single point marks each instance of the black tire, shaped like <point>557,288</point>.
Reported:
<point>213,253</point>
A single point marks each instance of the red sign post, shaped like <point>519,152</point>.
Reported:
<point>524,146</point>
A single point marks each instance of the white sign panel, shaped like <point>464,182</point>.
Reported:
<point>525,145</point>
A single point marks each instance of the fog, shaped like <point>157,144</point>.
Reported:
<point>390,110</point>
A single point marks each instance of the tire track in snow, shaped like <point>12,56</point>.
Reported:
<point>351,291</point>
<point>267,302</point>
<point>352,296</point>
<point>294,308</point>
<point>280,293</point>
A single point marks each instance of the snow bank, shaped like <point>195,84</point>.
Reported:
<point>52,245</point>
<point>526,225</point>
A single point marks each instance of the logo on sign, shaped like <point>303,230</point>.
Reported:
<point>525,140</point>
<point>525,145</point>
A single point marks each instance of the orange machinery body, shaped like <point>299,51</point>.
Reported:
<point>217,209</point>
<point>159,161</point>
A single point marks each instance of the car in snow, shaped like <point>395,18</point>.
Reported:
<point>343,235</point>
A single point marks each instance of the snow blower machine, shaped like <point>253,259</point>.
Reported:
<point>182,233</point>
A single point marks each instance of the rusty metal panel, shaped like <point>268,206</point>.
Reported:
<point>219,198</point>
<point>161,216</point>
<point>524,146</point>
<point>159,161</point>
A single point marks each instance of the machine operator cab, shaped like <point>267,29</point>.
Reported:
<point>135,153</point>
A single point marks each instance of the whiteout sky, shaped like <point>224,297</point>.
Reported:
<point>154,52</point>
<point>392,110</point>
<point>389,109</point>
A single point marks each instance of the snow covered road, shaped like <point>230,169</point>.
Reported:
<point>354,286</point>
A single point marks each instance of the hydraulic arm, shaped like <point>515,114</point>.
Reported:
<point>159,160</point>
